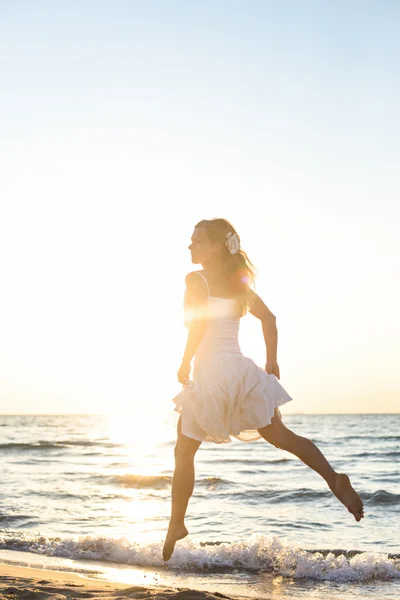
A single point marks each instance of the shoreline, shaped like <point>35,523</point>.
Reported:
<point>31,583</point>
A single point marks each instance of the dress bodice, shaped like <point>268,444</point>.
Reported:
<point>221,334</point>
<point>222,330</point>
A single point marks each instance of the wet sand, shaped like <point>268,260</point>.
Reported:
<point>28,583</point>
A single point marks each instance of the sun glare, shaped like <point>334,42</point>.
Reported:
<point>138,428</point>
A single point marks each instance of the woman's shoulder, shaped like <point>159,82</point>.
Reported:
<point>195,277</point>
<point>197,285</point>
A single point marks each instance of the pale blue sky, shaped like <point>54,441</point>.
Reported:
<point>124,123</point>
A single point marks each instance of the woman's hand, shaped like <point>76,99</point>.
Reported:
<point>184,372</point>
<point>273,369</point>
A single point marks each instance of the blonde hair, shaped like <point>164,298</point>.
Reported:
<point>239,272</point>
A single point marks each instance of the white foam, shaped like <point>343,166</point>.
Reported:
<point>258,553</point>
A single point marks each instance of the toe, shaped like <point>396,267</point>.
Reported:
<point>167,551</point>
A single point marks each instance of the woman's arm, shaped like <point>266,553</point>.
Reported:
<point>195,335</point>
<point>195,303</point>
<point>270,331</point>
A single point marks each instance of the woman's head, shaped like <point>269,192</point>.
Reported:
<point>211,246</point>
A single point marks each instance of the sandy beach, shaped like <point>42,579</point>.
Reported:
<point>39,584</point>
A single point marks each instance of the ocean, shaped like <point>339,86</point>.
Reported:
<point>91,493</point>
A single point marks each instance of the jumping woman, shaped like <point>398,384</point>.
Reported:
<point>229,394</point>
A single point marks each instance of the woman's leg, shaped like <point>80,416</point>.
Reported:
<point>182,489</point>
<point>339,483</point>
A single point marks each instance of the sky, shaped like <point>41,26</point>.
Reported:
<point>124,123</point>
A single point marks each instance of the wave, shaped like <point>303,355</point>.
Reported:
<point>16,520</point>
<point>252,462</point>
<point>157,481</point>
<point>49,445</point>
<point>307,495</point>
<point>383,438</point>
<point>222,488</point>
<point>141,481</point>
<point>377,454</point>
<point>259,553</point>
<point>381,497</point>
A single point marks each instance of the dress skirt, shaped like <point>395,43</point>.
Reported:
<point>229,396</point>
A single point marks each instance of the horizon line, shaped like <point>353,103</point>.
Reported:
<point>108,414</point>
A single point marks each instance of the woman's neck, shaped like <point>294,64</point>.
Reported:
<point>218,285</point>
<point>213,271</point>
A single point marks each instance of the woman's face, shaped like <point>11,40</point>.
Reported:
<point>202,248</point>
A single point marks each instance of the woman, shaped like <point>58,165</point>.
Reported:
<point>230,395</point>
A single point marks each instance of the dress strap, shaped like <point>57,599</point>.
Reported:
<point>201,275</point>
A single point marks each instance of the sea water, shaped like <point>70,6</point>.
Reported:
<point>92,494</point>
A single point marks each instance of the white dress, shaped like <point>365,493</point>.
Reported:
<point>229,395</point>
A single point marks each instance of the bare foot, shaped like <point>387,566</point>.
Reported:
<point>174,533</point>
<point>347,495</point>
